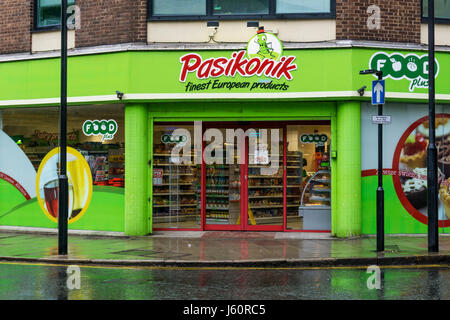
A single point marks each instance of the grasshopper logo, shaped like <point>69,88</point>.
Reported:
<point>106,128</point>
<point>264,45</point>
<point>398,66</point>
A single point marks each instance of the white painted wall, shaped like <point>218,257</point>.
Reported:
<point>50,41</point>
<point>442,34</point>
<point>237,31</point>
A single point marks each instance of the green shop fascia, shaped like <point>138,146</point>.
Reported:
<point>294,92</point>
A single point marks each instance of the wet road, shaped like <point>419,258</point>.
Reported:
<point>48,282</point>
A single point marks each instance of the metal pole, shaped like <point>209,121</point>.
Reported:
<point>63,197</point>
<point>433,223</point>
<point>380,191</point>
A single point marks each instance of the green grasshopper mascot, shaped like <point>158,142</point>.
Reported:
<point>265,48</point>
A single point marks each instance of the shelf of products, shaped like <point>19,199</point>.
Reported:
<point>222,194</point>
<point>179,190</point>
<point>175,193</point>
<point>107,163</point>
<point>36,154</point>
<point>265,189</point>
<point>319,190</point>
<point>294,176</point>
<point>315,205</point>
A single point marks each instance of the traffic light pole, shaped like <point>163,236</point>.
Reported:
<point>63,196</point>
<point>433,219</point>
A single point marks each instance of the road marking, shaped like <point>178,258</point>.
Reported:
<point>444,266</point>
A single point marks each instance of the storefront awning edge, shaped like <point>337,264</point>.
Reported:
<point>133,97</point>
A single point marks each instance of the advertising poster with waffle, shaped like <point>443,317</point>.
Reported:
<point>405,164</point>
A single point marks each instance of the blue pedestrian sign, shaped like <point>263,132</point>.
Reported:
<point>378,92</point>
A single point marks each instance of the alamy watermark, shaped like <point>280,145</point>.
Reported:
<point>224,149</point>
<point>74,17</point>
<point>374,280</point>
<point>374,19</point>
<point>74,278</point>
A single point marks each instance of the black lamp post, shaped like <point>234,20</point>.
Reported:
<point>380,191</point>
<point>63,196</point>
<point>432,179</point>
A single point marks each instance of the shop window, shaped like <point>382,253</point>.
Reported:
<point>441,10</point>
<point>29,163</point>
<point>303,6</point>
<point>206,9</point>
<point>176,178</point>
<point>180,8</point>
<point>103,150</point>
<point>48,13</point>
<point>236,7</point>
<point>308,157</point>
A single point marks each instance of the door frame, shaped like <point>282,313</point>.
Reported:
<point>331,121</point>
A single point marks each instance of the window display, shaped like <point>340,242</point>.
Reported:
<point>265,180</point>
<point>29,136</point>
<point>176,184</point>
<point>411,161</point>
<point>312,143</point>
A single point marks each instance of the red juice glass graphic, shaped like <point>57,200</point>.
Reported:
<point>50,191</point>
<point>51,197</point>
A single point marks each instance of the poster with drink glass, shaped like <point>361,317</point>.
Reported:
<point>79,179</point>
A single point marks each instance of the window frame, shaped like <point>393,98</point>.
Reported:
<point>36,27</point>
<point>272,15</point>
<point>436,20</point>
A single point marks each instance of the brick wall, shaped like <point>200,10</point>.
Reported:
<point>124,21</point>
<point>111,22</point>
<point>400,20</point>
<point>15,26</point>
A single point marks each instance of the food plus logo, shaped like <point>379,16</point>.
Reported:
<point>106,128</point>
<point>398,66</point>
<point>319,139</point>
<point>171,138</point>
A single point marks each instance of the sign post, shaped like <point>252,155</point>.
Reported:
<point>378,94</point>
<point>378,98</point>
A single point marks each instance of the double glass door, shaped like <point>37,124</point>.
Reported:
<point>243,177</point>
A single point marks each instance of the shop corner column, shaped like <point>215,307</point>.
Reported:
<point>136,173</point>
<point>348,202</point>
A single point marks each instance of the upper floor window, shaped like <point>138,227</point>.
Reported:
<point>48,13</point>
<point>441,10</point>
<point>198,9</point>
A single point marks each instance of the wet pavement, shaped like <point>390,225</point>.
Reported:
<point>222,247</point>
<point>47,282</point>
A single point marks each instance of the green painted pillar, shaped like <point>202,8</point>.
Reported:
<point>136,171</point>
<point>348,204</point>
